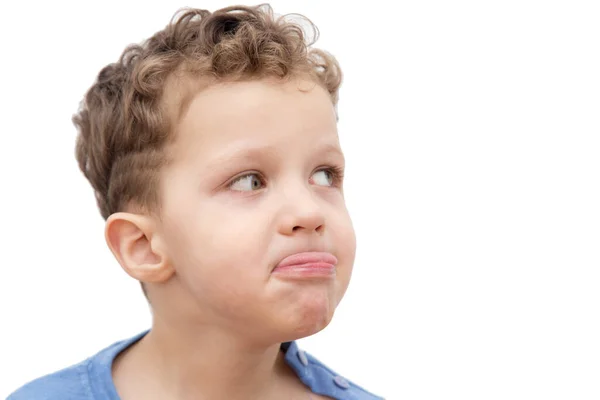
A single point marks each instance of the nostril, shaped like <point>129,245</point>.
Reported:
<point>318,229</point>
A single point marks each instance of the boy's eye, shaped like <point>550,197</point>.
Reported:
<point>329,176</point>
<point>252,181</point>
<point>246,183</point>
<point>324,177</point>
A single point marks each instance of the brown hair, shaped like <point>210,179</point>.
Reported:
<point>123,124</point>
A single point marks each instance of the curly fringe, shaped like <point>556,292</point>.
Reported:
<point>122,126</point>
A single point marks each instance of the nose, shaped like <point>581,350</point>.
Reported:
<point>301,213</point>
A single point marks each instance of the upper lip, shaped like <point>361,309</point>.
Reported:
<point>307,257</point>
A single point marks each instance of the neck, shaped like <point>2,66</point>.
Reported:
<point>204,363</point>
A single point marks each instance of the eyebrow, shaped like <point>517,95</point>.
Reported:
<point>330,148</point>
<point>244,154</point>
<point>260,152</point>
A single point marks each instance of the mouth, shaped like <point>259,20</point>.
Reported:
<point>307,265</point>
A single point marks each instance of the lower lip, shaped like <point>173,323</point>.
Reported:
<point>307,270</point>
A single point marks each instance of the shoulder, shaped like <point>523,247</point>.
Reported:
<point>322,379</point>
<point>67,384</point>
<point>90,379</point>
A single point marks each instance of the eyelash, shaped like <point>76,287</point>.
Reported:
<point>336,172</point>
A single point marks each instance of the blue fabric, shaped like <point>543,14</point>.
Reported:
<point>92,379</point>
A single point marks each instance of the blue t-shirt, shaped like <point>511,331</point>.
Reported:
<point>92,379</point>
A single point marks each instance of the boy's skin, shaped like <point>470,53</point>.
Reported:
<point>220,312</point>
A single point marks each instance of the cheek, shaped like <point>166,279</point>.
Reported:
<point>218,256</point>
<point>345,241</point>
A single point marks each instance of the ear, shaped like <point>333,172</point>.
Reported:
<point>138,247</point>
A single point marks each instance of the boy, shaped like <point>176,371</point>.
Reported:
<point>214,156</point>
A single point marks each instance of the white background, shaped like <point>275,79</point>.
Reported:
<point>472,137</point>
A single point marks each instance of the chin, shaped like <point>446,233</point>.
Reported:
<point>305,329</point>
<point>311,318</point>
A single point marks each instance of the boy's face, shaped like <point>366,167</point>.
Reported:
<point>250,185</point>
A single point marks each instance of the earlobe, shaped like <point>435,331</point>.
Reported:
<point>135,243</point>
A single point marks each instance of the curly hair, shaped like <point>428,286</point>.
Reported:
<point>123,124</point>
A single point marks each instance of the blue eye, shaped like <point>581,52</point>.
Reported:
<point>326,177</point>
<point>246,183</point>
<point>331,177</point>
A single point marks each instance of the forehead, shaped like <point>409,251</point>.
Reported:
<point>279,114</point>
